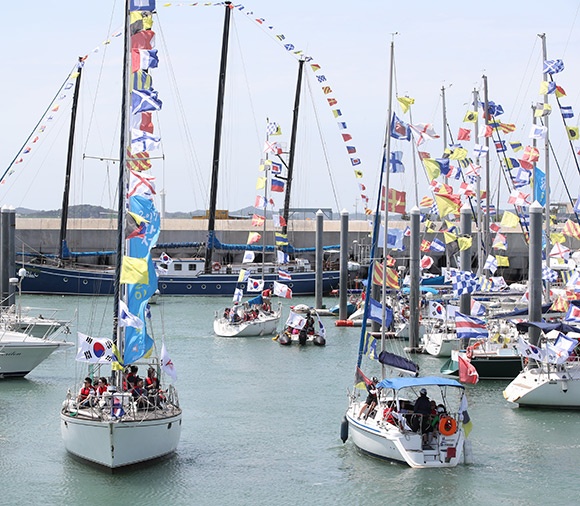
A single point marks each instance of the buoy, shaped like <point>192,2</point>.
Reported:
<point>344,429</point>
<point>319,341</point>
<point>344,323</point>
<point>447,426</point>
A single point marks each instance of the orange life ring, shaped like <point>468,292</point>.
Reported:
<point>447,426</point>
<point>216,266</point>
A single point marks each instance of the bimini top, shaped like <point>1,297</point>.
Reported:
<point>425,381</point>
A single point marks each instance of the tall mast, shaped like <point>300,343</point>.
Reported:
<point>217,139</point>
<point>292,146</point>
<point>444,136</point>
<point>487,220</point>
<point>480,261</point>
<point>414,147</point>
<point>387,155</point>
<point>122,185</point>
<point>69,157</point>
<point>547,164</point>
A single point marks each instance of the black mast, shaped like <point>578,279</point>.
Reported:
<point>69,157</point>
<point>217,140</point>
<point>292,146</point>
<point>122,187</point>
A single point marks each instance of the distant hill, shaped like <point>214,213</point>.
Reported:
<point>87,211</point>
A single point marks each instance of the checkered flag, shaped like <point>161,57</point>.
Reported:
<point>549,274</point>
<point>464,282</point>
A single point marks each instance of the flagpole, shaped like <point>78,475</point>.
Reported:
<point>547,166</point>
<point>487,177</point>
<point>414,147</point>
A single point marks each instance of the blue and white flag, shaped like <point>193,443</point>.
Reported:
<point>238,294</point>
<point>248,257</point>
<point>437,245</point>
<point>463,282</point>
<point>322,329</point>
<point>553,66</point>
<point>397,162</point>
<point>491,264</point>
<point>142,5</point>
<point>549,274</point>
<point>540,186</point>
<point>128,319</point>
<point>399,129</point>
<point>480,151</point>
<point>282,274</point>
<point>376,313</point>
<point>143,141</point>
<point>281,257</point>
<point>566,111</point>
<point>145,100</point>
<point>469,327</point>
<point>477,308</point>
<point>559,352</point>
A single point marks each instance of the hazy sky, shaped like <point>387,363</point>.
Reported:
<point>449,44</point>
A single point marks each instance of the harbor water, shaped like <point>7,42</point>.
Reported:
<point>261,425</point>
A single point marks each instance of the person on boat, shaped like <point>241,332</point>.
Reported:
<point>131,376</point>
<point>372,398</point>
<point>87,393</point>
<point>139,393</point>
<point>422,408</point>
<point>151,381</point>
<point>102,386</point>
<point>266,304</point>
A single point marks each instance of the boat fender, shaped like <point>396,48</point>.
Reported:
<point>216,266</point>
<point>406,312</point>
<point>344,429</point>
<point>344,323</point>
<point>447,426</point>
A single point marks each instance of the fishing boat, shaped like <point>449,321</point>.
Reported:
<point>206,275</point>
<point>125,424</point>
<point>389,424</point>
<point>301,327</point>
<point>20,353</point>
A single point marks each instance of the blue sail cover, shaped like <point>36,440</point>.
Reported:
<point>137,341</point>
<point>398,362</point>
<point>425,381</point>
<point>547,327</point>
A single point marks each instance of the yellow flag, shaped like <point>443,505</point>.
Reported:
<point>261,183</point>
<point>134,270</point>
<point>502,261</point>
<point>405,102</point>
<point>557,237</point>
<point>572,133</point>
<point>449,237</point>
<point>118,364</point>
<point>432,168</point>
<point>358,173</point>
<point>509,220</point>
<point>458,154</point>
<point>242,275</point>
<point>464,243</point>
<point>470,117</point>
<point>446,205</point>
<point>544,88</point>
<point>542,110</point>
<point>571,229</point>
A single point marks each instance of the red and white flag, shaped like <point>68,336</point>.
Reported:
<point>467,371</point>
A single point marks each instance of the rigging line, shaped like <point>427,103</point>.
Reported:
<point>571,30</point>
<point>247,82</point>
<point>37,124</point>
<point>566,127</point>
<point>524,80</point>
<point>191,152</point>
<point>563,180</point>
<point>518,209</point>
<point>324,147</point>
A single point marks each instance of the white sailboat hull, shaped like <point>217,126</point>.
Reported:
<point>21,353</point>
<point>386,441</point>
<point>264,325</point>
<point>440,344</point>
<point>536,387</point>
<point>115,444</point>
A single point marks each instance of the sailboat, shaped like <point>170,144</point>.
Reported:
<point>385,425</point>
<point>126,424</point>
<point>182,276</point>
